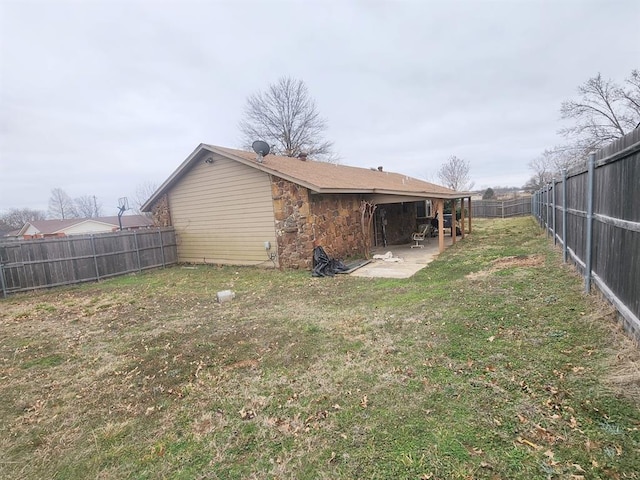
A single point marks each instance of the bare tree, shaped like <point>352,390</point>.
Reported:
<point>143,193</point>
<point>367,210</point>
<point>285,116</point>
<point>604,112</point>
<point>543,168</point>
<point>631,94</point>
<point>454,173</point>
<point>17,217</point>
<point>87,206</point>
<point>60,205</point>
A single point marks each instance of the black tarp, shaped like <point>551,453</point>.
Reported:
<point>324,266</point>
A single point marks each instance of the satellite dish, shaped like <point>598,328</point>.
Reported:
<point>261,148</point>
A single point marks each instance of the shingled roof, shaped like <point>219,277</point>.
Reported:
<point>319,177</point>
<point>48,227</point>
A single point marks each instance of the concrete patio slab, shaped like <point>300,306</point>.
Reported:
<point>411,260</point>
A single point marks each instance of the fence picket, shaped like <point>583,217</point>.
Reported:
<point>502,208</point>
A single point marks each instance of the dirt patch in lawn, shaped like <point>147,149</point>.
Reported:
<point>516,261</point>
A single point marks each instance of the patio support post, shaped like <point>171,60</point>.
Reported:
<point>454,206</point>
<point>440,207</point>
<point>462,217</point>
<point>469,214</point>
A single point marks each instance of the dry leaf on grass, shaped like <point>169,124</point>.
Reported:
<point>246,414</point>
<point>524,441</point>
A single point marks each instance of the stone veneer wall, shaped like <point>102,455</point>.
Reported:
<point>160,212</point>
<point>305,220</point>
<point>337,224</point>
<point>294,231</point>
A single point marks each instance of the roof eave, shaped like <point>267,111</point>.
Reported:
<point>380,191</point>
<point>344,190</point>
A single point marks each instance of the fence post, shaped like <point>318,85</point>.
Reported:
<point>587,261</point>
<point>161,248</point>
<point>548,212</point>
<point>24,268</point>
<point>564,215</point>
<point>2,282</point>
<point>95,257</point>
<point>135,241</point>
<point>533,210</point>
<point>540,199</point>
<point>546,209</point>
<point>553,212</point>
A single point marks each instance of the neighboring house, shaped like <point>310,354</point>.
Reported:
<point>232,207</point>
<point>81,226</point>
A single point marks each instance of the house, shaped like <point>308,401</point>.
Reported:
<point>234,207</point>
<point>81,226</point>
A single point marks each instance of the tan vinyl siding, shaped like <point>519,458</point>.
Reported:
<point>89,227</point>
<point>223,213</point>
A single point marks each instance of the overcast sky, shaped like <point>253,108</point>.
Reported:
<point>99,97</point>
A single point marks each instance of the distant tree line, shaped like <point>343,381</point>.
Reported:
<point>62,206</point>
<point>16,217</point>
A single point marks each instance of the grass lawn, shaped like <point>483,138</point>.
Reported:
<point>489,363</point>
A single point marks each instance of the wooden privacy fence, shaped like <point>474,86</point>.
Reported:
<point>594,213</point>
<point>501,208</point>
<point>32,264</point>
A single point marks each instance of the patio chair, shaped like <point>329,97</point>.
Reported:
<point>423,233</point>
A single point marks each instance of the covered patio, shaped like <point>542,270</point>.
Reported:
<point>428,210</point>
<point>404,262</point>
